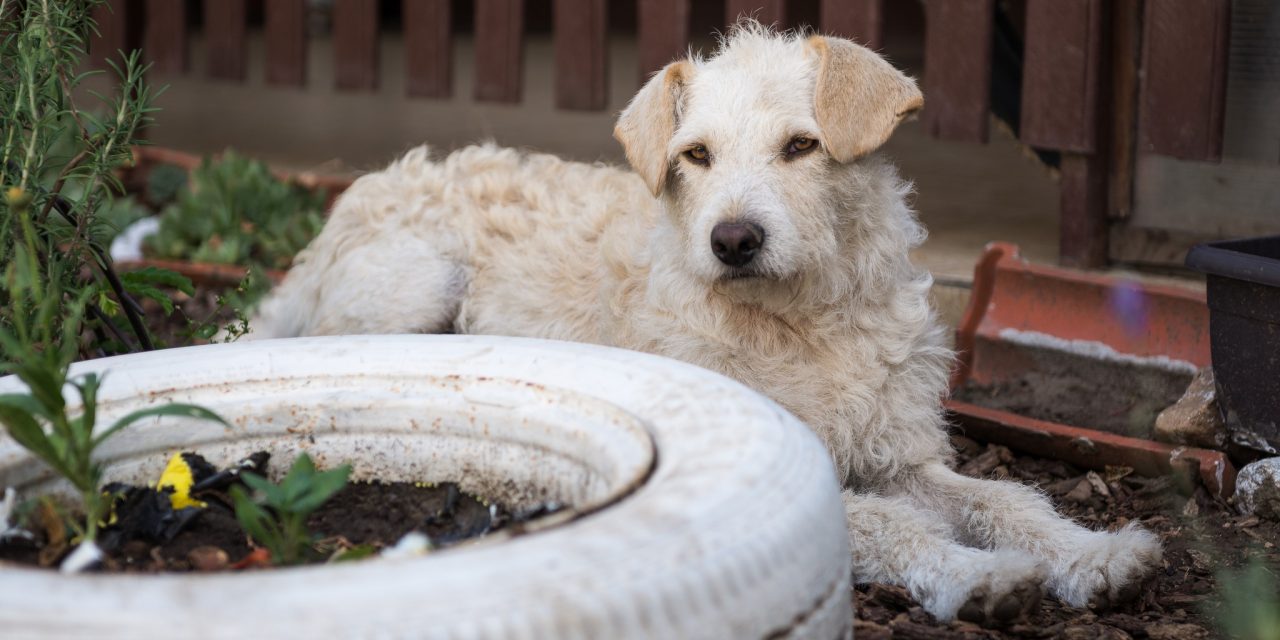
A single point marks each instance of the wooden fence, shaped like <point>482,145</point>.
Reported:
<point>1100,80</point>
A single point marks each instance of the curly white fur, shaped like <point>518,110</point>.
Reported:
<point>832,321</point>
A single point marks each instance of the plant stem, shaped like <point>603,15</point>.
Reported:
<point>132,310</point>
<point>60,182</point>
<point>105,321</point>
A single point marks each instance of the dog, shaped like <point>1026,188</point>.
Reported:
<point>758,235</point>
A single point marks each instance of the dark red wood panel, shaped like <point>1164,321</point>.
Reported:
<point>1184,79</point>
<point>119,27</point>
<point>1082,215</point>
<point>582,54</point>
<point>428,48</point>
<point>224,38</point>
<point>663,33</point>
<point>766,11</point>
<point>859,20</point>
<point>165,37</point>
<point>1126,50</point>
<point>1061,77</point>
<point>957,69</point>
<point>355,44</point>
<point>499,50</point>
<point>285,22</point>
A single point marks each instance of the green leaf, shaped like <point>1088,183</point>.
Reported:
<point>157,276</point>
<point>273,494</point>
<point>45,386</point>
<point>24,402</point>
<point>297,481</point>
<point>172,409</point>
<point>24,429</point>
<point>254,520</point>
<point>138,290</point>
<point>89,415</point>
<point>322,487</point>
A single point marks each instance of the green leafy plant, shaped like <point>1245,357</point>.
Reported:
<point>235,211</point>
<point>58,168</point>
<point>279,521</point>
<point>40,354</point>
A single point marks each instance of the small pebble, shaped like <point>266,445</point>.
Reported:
<point>208,558</point>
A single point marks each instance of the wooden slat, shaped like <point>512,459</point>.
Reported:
<point>859,20</point>
<point>768,12</point>
<point>1184,77</point>
<point>1061,74</point>
<point>165,39</point>
<point>355,44</point>
<point>957,69</point>
<point>119,23</point>
<point>224,38</point>
<point>428,48</point>
<point>582,54</point>
<point>1251,133</point>
<point>285,22</point>
<point>1082,214</point>
<point>499,50</point>
<point>663,33</point>
<point>1126,47</point>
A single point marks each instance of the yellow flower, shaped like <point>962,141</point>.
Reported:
<point>179,477</point>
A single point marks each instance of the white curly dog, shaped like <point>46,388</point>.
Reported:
<point>758,236</point>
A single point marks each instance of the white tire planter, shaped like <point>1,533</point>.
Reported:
<point>700,508</point>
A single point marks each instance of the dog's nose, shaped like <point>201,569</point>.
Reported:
<point>736,243</point>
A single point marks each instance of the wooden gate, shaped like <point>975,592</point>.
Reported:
<point>1103,83</point>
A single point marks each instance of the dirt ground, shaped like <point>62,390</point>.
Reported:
<point>1204,540</point>
<point>1081,390</point>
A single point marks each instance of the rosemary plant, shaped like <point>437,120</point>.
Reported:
<point>59,164</point>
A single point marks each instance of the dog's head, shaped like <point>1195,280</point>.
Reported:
<point>753,149</point>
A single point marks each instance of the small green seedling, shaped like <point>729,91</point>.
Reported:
<point>279,521</point>
<point>41,423</point>
<point>39,353</point>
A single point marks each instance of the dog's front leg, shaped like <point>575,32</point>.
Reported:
<point>896,542</point>
<point>1094,568</point>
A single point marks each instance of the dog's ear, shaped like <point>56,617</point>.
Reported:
<point>860,98</point>
<point>647,124</point>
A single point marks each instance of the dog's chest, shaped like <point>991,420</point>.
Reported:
<point>821,378</point>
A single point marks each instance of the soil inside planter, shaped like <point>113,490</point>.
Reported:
<point>1202,537</point>
<point>1081,391</point>
<point>363,513</point>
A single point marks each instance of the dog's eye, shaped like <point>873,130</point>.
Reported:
<point>698,155</point>
<point>800,145</point>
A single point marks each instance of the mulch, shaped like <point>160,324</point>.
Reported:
<point>1204,539</point>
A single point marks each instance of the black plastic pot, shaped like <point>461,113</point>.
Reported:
<point>1244,335</point>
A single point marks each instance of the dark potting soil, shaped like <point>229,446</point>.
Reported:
<point>1202,537</point>
<point>1081,391</point>
<point>362,513</point>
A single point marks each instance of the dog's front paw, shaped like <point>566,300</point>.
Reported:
<point>1107,569</point>
<point>1000,591</point>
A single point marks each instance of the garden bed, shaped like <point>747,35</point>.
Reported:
<point>1115,397</point>
<point>365,516</point>
<point>1202,537</point>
